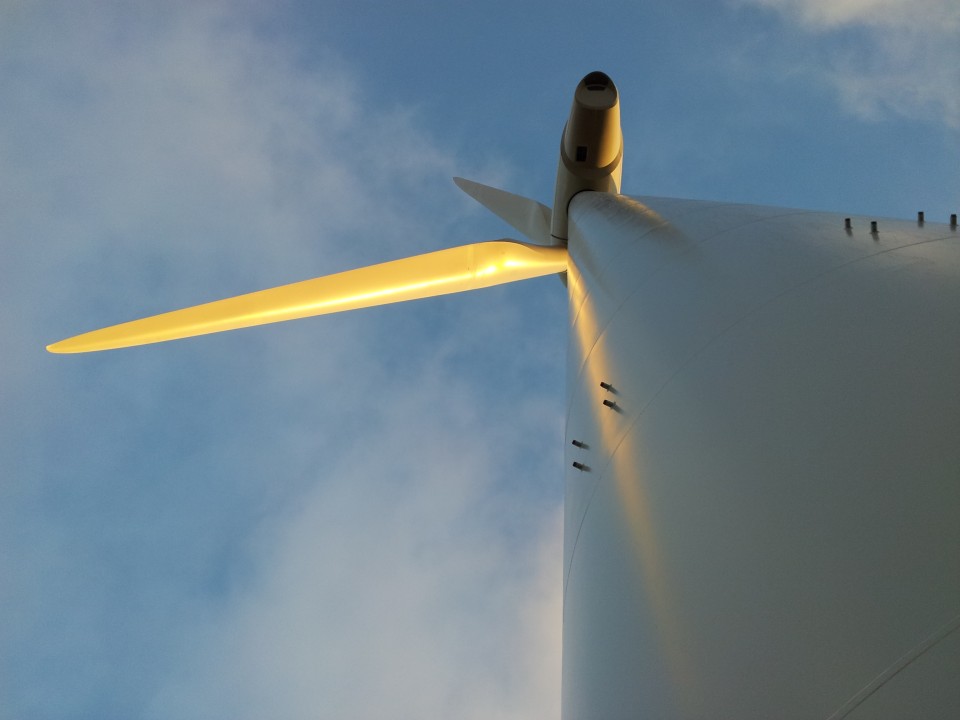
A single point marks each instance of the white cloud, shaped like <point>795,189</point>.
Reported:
<point>885,57</point>
<point>936,15</point>
<point>388,603</point>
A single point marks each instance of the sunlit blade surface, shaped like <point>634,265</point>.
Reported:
<point>438,273</point>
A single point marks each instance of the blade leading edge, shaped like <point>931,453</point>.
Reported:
<point>468,267</point>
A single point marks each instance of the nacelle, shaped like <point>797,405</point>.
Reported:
<point>591,149</point>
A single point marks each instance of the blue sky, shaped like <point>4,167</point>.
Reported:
<point>358,516</point>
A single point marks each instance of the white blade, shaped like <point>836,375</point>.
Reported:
<point>526,215</point>
<point>468,267</point>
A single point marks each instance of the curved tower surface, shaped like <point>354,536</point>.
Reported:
<point>763,464</point>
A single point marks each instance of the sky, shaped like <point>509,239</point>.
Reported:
<point>359,515</point>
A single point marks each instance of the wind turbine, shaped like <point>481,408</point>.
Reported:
<point>762,502</point>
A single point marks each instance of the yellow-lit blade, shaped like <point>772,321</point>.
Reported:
<point>438,273</point>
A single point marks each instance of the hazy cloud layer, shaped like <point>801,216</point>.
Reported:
<point>350,517</point>
<point>885,56</point>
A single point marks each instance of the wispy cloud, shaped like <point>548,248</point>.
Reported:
<point>898,13</point>
<point>885,57</point>
<point>403,600</point>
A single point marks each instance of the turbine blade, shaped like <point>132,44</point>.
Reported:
<point>527,216</point>
<point>468,267</point>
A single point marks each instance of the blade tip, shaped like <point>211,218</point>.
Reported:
<point>60,348</point>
